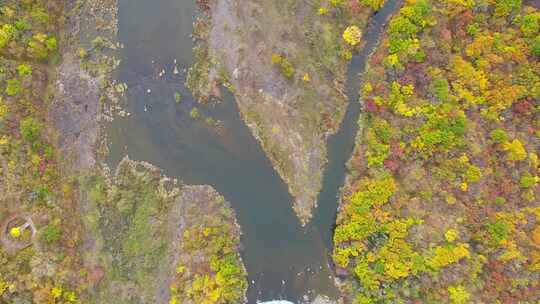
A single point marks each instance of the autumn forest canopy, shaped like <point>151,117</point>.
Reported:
<point>441,195</point>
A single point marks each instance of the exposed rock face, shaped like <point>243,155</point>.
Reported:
<point>323,300</point>
<point>290,111</point>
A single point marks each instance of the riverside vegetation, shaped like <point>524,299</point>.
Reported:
<point>70,231</point>
<point>286,64</point>
<point>440,206</point>
<point>156,241</point>
<point>442,200</point>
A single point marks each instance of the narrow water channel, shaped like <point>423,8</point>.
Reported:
<point>284,260</point>
<point>341,145</point>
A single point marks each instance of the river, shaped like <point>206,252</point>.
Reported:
<point>284,260</point>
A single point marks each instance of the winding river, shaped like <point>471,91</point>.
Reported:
<point>284,260</point>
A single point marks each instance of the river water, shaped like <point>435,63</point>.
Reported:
<point>284,260</point>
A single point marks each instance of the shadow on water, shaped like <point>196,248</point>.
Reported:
<point>284,261</point>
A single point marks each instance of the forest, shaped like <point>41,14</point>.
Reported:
<point>441,195</point>
<point>442,206</point>
<point>61,240</point>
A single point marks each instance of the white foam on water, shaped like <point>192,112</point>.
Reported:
<point>276,302</point>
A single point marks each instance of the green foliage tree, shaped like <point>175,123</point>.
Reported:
<point>30,129</point>
<point>499,136</point>
<point>535,48</point>
<point>441,89</point>
<point>498,231</point>
<point>404,28</point>
<point>24,69</point>
<point>13,87</point>
<point>286,67</point>
<point>7,33</point>
<point>42,46</point>
<point>527,180</point>
<point>51,234</point>
<point>504,8</point>
<point>530,25</point>
<point>443,130</point>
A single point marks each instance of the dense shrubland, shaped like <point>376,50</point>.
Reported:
<point>33,192</point>
<point>442,201</point>
<point>210,270</point>
<point>53,222</point>
<point>153,235</point>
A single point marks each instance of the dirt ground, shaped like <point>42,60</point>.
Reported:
<point>77,109</point>
<point>76,112</point>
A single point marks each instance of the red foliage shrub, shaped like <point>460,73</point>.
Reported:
<point>355,6</point>
<point>371,107</point>
<point>522,107</point>
<point>506,186</point>
<point>42,167</point>
<point>396,150</point>
<point>377,58</point>
<point>463,21</point>
<point>416,75</point>
<point>391,164</point>
<point>204,5</point>
<point>96,275</point>
<point>446,34</point>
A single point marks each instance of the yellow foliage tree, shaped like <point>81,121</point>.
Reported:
<point>352,35</point>
<point>516,150</point>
